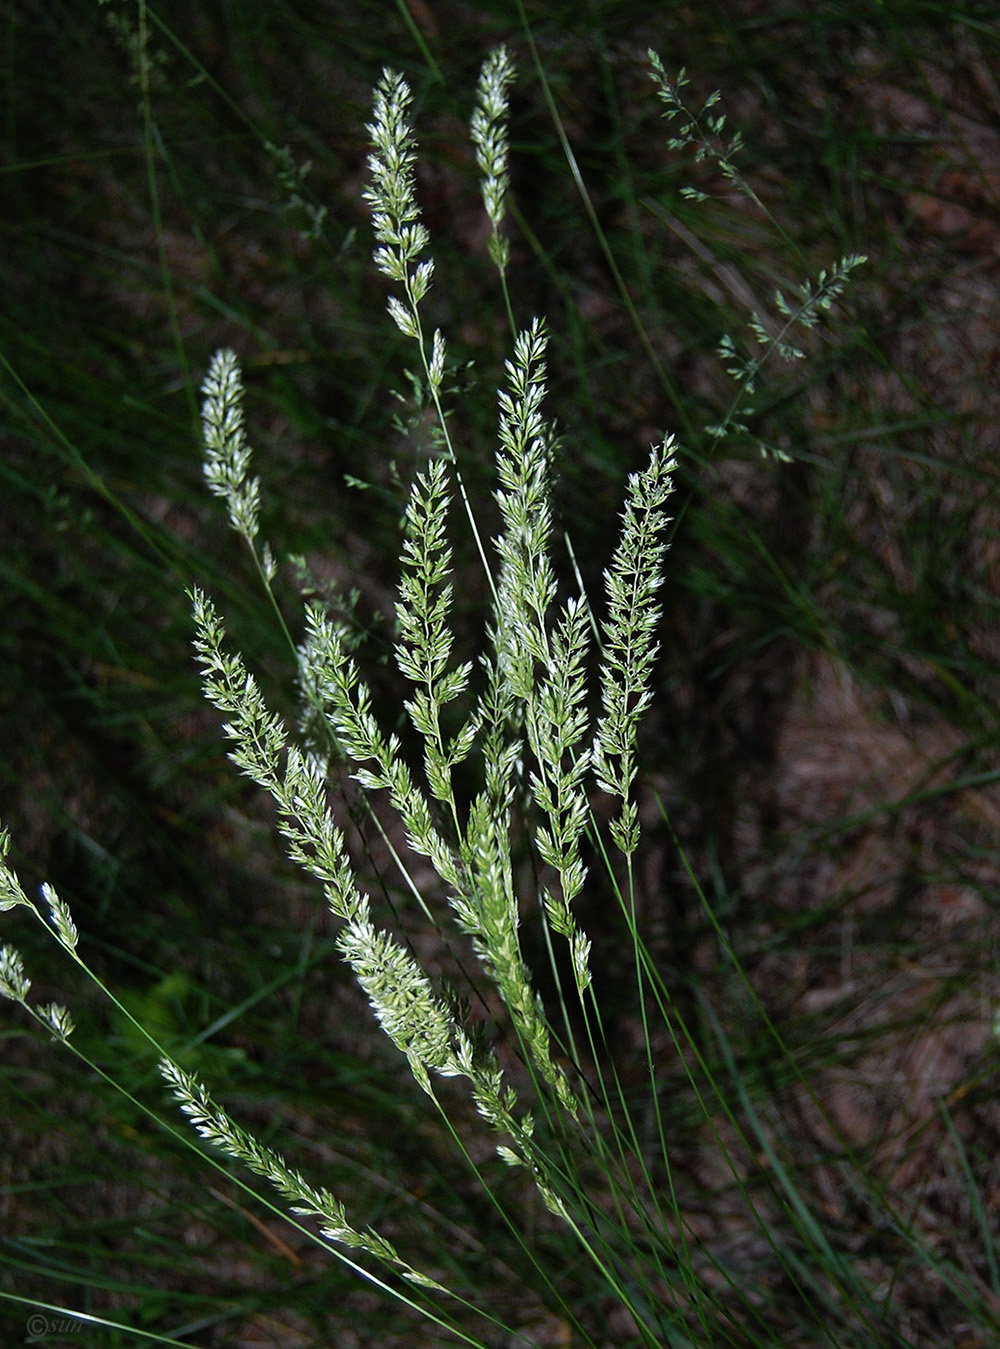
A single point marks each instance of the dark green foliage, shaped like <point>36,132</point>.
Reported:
<point>157,208</point>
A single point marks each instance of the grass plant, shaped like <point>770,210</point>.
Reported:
<point>600,1114</point>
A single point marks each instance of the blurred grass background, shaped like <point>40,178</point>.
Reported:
<point>825,733</point>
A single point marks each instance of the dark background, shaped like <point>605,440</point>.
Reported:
<point>821,760</point>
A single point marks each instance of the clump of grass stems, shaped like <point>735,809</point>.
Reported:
<point>523,722</point>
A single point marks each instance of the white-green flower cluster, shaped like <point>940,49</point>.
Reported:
<point>415,1018</point>
<point>531,711</point>
<point>215,1126</point>
<point>395,215</point>
<point>14,982</point>
<point>227,453</point>
<point>489,136</point>
<point>542,663</point>
<point>630,645</point>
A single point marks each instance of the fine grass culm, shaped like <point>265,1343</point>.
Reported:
<point>454,838</point>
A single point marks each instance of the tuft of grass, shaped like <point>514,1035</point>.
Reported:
<point>844,601</point>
